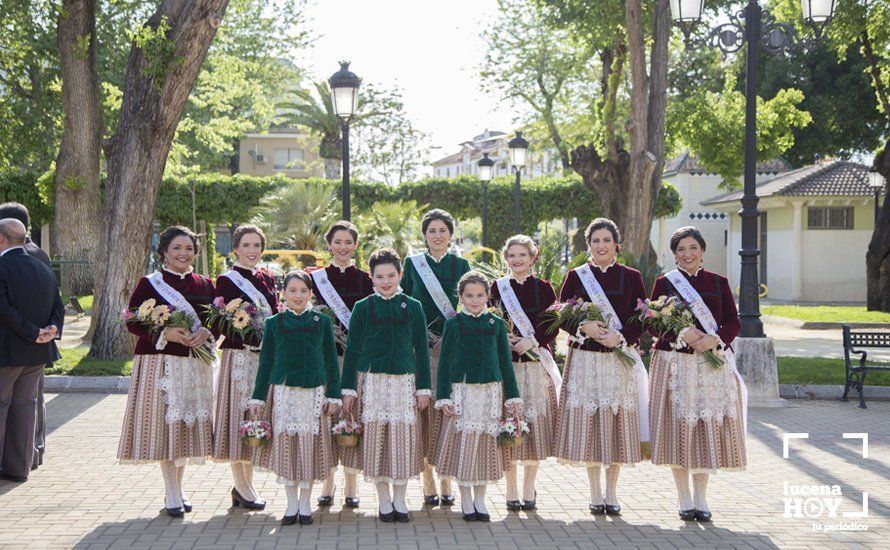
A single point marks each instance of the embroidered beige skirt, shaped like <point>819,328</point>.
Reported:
<point>237,375</point>
<point>696,416</point>
<point>468,450</point>
<point>599,420</point>
<point>392,448</point>
<point>351,457</point>
<point>300,452</point>
<point>539,409</point>
<point>431,419</point>
<point>151,430</point>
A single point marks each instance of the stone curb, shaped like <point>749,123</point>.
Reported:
<point>805,391</point>
<point>814,325</point>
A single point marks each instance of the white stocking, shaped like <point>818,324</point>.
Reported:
<point>327,488</point>
<point>700,488</point>
<point>596,490</point>
<point>293,500</point>
<point>351,487</point>
<point>242,480</point>
<point>681,478</point>
<point>429,482</point>
<point>612,473</point>
<point>445,485</point>
<point>512,488</point>
<point>172,496</point>
<point>466,499</point>
<point>180,473</point>
<point>384,498</point>
<point>398,497</point>
<point>528,483</point>
<point>479,498</point>
<point>305,506</point>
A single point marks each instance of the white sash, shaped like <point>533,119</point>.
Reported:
<point>600,300</point>
<point>251,291</point>
<point>433,286</point>
<point>174,298</point>
<point>329,293</point>
<point>706,318</point>
<point>527,329</point>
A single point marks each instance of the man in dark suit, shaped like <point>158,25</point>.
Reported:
<point>31,317</point>
<point>20,212</point>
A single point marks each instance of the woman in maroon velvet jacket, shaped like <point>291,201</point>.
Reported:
<point>240,361</point>
<point>169,407</point>
<point>536,386</point>
<point>697,412</point>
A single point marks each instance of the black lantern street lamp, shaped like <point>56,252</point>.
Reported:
<point>344,95</point>
<point>518,149</point>
<point>876,182</point>
<point>486,167</point>
<point>753,28</point>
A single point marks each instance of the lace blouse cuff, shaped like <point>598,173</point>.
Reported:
<point>579,336</point>
<point>255,402</point>
<point>338,402</point>
<point>513,401</point>
<point>421,393</point>
<point>442,402</point>
<point>679,343</point>
<point>162,340</point>
<point>348,393</point>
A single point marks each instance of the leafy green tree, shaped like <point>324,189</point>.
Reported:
<point>315,112</point>
<point>298,215</point>
<point>393,224</point>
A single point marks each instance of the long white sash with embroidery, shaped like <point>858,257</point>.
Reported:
<point>706,318</point>
<point>188,387</point>
<point>527,329</point>
<point>433,286</point>
<point>251,291</point>
<point>599,299</point>
<point>329,293</point>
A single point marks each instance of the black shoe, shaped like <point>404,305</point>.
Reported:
<point>238,500</point>
<point>470,517</point>
<point>350,502</point>
<point>482,517</point>
<point>687,515</point>
<point>514,505</point>
<point>324,502</point>
<point>613,509</point>
<point>386,518</point>
<point>187,506</point>
<point>401,517</point>
<point>431,500</point>
<point>447,500</point>
<point>16,479</point>
<point>305,520</point>
<point>289,520</point>
<point>702,516</point>
<point>178,512</point>
<point>530,504</point>
<point>597,509</point>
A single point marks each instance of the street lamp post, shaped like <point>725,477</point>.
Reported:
<point>753,28</point>
<point>876,182</point>
<point>344,95</point>
<point>518,149</point>
<point>485,165</point>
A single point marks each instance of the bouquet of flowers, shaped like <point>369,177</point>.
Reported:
<point>255,432</point>
<point>672,314</point>
<point>511,431</point>
<point>157,317</point>
<point>347,432</point>
<point>530,355</point>
<point>576,312</point>
<point>339,332</point>
<point>237,317</point>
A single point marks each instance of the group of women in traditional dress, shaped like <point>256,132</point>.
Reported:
<point>430,357</point>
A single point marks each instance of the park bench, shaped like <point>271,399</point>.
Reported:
<point>855,374</point>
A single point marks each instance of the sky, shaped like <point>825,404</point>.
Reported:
<point>431,50</point>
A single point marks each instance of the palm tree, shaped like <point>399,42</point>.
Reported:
<point>391,224</point>
<point>298,214</point>
<point>317,114</point>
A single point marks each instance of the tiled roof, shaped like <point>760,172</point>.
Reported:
<point>834,178</point>
<point>687,163</point>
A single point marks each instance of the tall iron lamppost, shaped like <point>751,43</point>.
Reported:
<point>486,166</point>
<point>876,182</point>
<point>753,28</point>
<point>344,94</point>
<point>518,149</point>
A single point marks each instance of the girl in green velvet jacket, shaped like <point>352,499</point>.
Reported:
<point>298,389</point>
<point>475,387</point>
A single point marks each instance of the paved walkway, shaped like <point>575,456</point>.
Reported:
<point>82,498</point>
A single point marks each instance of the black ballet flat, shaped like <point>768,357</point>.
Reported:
<point>304,520</point>
<point>702,516</point>
<point>350,502</point>
<point>431,500</point>
<point>324,502</point>
<point>514,505</point>
<point>386,518</point>
<point>687,515</point>
<point>529,505</point>
<point>470,517</point>
<point>597,509</point>
<point>238,500</point>
<point>447,500</point>
<point>482,517</point>
<point>178,512</point>
<point>401,517</point>
<point>289,520</point>
<point>613,509</point>
<point>186,506</point>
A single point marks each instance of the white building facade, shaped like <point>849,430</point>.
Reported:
<point>543,163</point>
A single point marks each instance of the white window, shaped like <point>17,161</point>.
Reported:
<point>289,159</point>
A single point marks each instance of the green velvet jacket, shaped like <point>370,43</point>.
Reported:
<point>387,336</point>
<point>298,351</point>
<point>448,271</point>
<point>475,350</point>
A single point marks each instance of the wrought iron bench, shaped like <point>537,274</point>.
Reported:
<point>855,374</point>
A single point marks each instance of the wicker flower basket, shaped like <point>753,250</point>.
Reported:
<point>511,441</point>
<point>346,440</point>
<point>254,442</point>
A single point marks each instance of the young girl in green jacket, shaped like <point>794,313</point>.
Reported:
<point>298,389</point>
<point>475,386</point>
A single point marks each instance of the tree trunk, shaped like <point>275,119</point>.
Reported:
<point>76,230</point>
<point>151,110</point>
<point>655,120</point>
<point>332,169</point>
<point>877,258</point>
